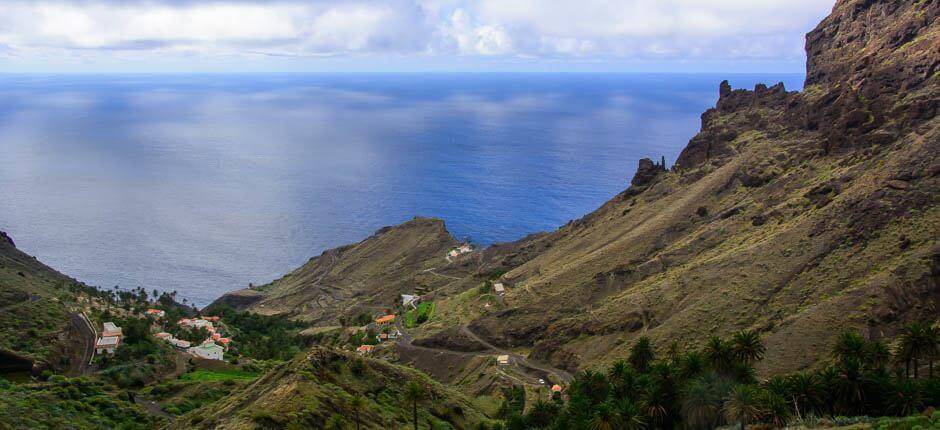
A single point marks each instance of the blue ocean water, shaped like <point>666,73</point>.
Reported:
<point>204,183</point>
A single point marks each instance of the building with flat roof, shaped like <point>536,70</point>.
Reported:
<point>110,329</point>
<point>208,350</point>
<point>107,344</point>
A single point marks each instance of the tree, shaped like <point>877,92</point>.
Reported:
<point>606,418</point>
<point>743,405</point>
<point>931,346</point>
<point>592,385</point>
<point>641,354</point>
<point>631,417</point>
<point>805,392</point>
<point>702,401</point>
<point>877,356</point>
<point>414,394</point>
<point>912,344</point>
<point>356,404</point>
<point>849,346</point>
<point>719,355</point>
<point>542,414</point>
<point>336,422</point>
<point>747,346</point>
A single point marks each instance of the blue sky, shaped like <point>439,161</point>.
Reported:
<point>406,35</point>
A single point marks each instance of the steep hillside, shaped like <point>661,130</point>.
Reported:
<point>34,319</point>
<point>363,277</point>
<point>309,390</point>
<point>796,214</point>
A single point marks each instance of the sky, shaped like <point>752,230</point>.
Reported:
<point>91,36</point>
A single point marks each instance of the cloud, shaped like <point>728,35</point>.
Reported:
<point>592,30</point>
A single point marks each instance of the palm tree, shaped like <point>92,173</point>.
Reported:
<point>931,346</point>
<point>623,380</point>
<point>774,408</point>
<point>335,422</point>
<point>414,393</point>
<point>747,346</point>
<point>641,354</point>
<point>912,345</point>
<point>805,392</point>
<point>878,356</point>
<point>692,365</point>
<point>356,404</point>
<point>849,346</point>
<point>605,418</point>
<point>593,385</point>
<point>701,401</point>
<point>719,355</point>
<point>743,405</point>
<point>631,417</point>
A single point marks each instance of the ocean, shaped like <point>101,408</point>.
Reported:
<point>204,183</point>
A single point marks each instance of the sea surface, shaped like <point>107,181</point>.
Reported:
<point>204,183</point>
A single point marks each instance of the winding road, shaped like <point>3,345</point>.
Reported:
<point>516,360</point>
<point>87,336</point>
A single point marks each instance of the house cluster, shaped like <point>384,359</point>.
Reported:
<point>212,348</point>
<point>460,250</point>
<point>109,340</point>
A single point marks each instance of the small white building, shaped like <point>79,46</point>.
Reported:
<point>110,329</point>
<point>499,288</point>
<point>208,350</point>
<point>410,300</point>
<point>179,343</point>
<point>502,360</point>
<point>107,344</point>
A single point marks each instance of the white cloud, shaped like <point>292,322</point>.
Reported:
<point>596,30</point>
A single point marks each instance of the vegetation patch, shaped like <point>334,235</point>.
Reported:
<point>218,375</point>
<point>421,315</point>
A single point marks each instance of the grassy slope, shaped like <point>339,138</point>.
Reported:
<point>32,313</point>
<point>308,390</point>
<point>357,278</point>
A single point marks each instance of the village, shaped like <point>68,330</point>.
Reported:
<point>213,347</point>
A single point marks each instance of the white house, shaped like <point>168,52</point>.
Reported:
<point>499,288</point>
<point>502,360</point>
<point>208,350</point>
<point>107,344</point>
<point>410,300</point>
<point>110,329</point>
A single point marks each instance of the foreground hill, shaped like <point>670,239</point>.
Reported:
<point>310,390</point>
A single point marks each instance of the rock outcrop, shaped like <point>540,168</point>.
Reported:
<point>6,238</point>
<point>647,171</point>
